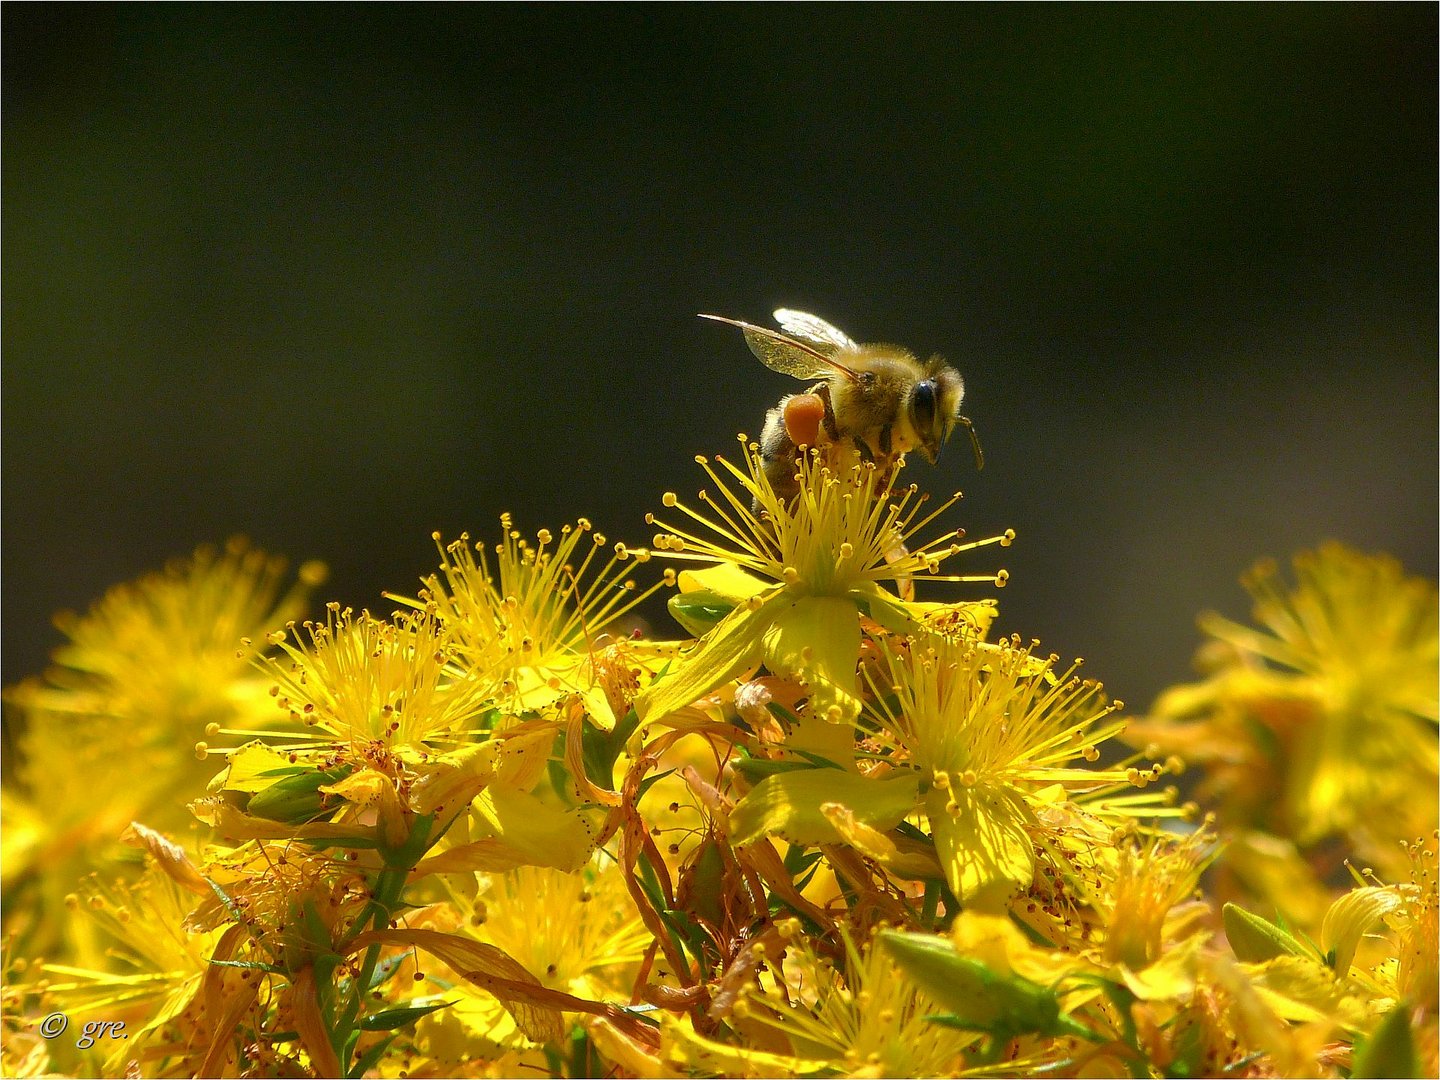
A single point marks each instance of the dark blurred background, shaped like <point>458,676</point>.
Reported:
<point>335,277</point>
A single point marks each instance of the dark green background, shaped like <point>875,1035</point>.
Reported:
<point>336,277</point>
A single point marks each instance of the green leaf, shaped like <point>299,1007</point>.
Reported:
<point>1390,1049</point>
<point>1255,940</point>
<point>788,804</point>
<point>390,1019</point>
<point>758,769</point>
<point>370,1058</point>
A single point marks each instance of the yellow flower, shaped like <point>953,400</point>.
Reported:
<point>578,932</point>
<point>806,575</point>
<point>150,978</point>
<point>987,744</point>
<point>360,681</point>
<point>1150,914</point>
<point>530,624</point>
<point>1323,723</point>
<point>149,671</point>
<point>863,1019</point>
<point>1375,958</point>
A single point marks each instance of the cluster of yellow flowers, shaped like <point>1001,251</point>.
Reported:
<point>837,830</point>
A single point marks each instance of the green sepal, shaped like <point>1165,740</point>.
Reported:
<point>296,799</point>
<point>1390,1049</point>
<point>599,750</point>
<point>707,883</point>
<point>405,855</point>
<point>700,611</point>
<point>1255,940</point>
<point>979,997</point>
<point>758,769</point>
<point>390,1019</point>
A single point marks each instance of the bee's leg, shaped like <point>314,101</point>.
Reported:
<point>866,454</point>
<point>832,427</point>
<point>885,441</point>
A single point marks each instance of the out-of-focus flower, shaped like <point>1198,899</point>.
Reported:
<point>153,978</point>
<point>1376,953</point>
<point>150,671</point>
<point>1323,723</point>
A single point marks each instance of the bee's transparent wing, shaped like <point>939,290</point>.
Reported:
<point>788,356</point>
<point>813,330</point>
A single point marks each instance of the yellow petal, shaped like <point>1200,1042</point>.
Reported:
<point>722,654</point>
<point>234,824</point>
<point>982,841</point>
<point>539,834</point>
<point>310,1025</point>
<point>1350,917</point>
<point>1170,978</point>
<point>450,781</point>
<point>169,856</point>
<point>789,805</point>
<point>901,855</point>
<point>817,639</point>
<point>254,767</point>
<point>487,967</point>
<point>724,579</point>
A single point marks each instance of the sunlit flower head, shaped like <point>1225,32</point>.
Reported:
<point>359,680</point>
<point>1322,723</point>
<point>858,1018</point>
<point>529,622</point>
<point>844,531</point>
<point>577,932</point>
<point>292,902</point>
<point>796,578</point>
<point>998,738</point>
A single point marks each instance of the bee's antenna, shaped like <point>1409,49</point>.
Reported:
<point>974,442</point>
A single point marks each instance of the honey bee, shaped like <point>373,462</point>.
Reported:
<point>878,401</point>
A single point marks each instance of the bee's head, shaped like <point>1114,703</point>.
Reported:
<point>934,406</point>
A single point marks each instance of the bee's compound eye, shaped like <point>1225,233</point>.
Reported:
<point>922,406</point>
